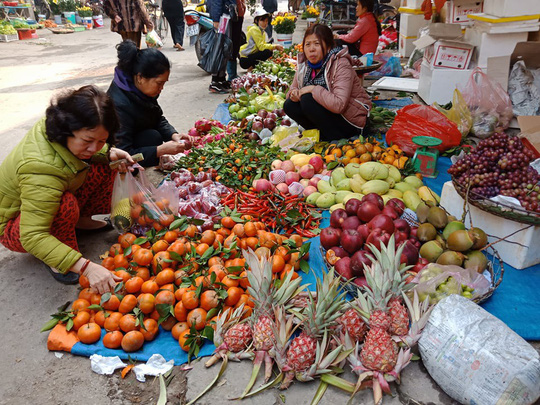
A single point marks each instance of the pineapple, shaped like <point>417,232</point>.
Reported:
<point>318,317</point>
<point>395,273</point>
<point>238,337</point>
<point>352,323</point>
<point>121,215</point>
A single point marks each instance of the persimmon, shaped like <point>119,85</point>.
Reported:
<point>177,247</point>
<point>165,297</point>
<point>238,230</point>
<point>191,231</point>
<point>297,239</point>
<point>168,287</point>
<point>178,276</point>
<point>101,316</point>
<point>197,318</point>
<point>112,303</point>
<point>82,318</point>
<point>165,276</point>
<point>143,257</point>
<point>215,260</point>
<point>126,240</point>
<point>183,339</point>
<point>83,281</point>
<point>149,287</point>
<point>201,248</point>
<point>190,300</point>
<point>150,329</point>
<point>120,261</point>
<point>113,340</point>
<point>250,229</point>
<point>178,329</point>
<point>278,263</point>
<point>243,280</point>
<point>127,304</point>
<point>115,249</point>
<point>133,285</point>
<point>180,312</point>
<point>143,273</point>
<point>169,323</point>
<point>233,296</point>
<point>132,341</point>
<point>146,303</point>
<point>209,300</point>
<point>124,275</point>
<point>111,323</point>
<point>89,333</point>
<point>128,323</point>
<point>162,259</point>
<point>80,305</point>
<point>228,222</point>
<point>160,246</point>
<point>284,252</point>
<point>229,282</point>
<point>108,263</point>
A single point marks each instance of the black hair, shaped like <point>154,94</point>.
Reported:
<point>370,6</point>
<point>87,107</point>
<point>262,17</point>
<point>148,62</point>
<point>323,34</point>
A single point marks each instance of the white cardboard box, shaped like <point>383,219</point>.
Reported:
<point>438,85</point>
<point>455,55</point>
<point>492,45</point>
<point>406,46</point>
<point>410,24</point>
<point>511,8</point>
<point>415,4</point>
<point>520,250</point>
<point>456,11</point>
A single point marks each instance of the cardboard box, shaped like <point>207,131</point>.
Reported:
<point>511,8</point>
<point>530,132</point>
<point>414,4</point>
<point>406,45</point>
<point>410,24</point>
<point>456,11</point>
<point>438,85</point>
<point>534,36</point>
<point>519,251</point>
<point>492,45</point>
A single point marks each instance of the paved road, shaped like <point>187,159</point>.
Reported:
<point>30,73</point>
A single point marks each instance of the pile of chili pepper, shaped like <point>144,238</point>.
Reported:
<point>281,213</point>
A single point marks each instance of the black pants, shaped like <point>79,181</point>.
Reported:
<point>174,12</point>
<point>311,115</point>
<point>353,50</point>
<point>254,58</point>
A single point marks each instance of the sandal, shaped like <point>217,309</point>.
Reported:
<point>69,278</point>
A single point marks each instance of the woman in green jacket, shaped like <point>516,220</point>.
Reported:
<point>257,49</point>
<point>56,178</point>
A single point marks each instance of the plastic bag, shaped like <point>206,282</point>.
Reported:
<point>216,53</point>
<point>153,40</point>
<point>459,114</point>
<point>490,105</point>
<point>415,120</point>
<point>523,91</point>
<point>476,358</point>
<point>137,205</point>
<point>391,66</point>
<point>439,281</point>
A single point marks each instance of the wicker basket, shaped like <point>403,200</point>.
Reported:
<point>495,269</point>
<point>502,210</point>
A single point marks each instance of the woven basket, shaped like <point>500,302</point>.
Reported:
<point>502,210</point>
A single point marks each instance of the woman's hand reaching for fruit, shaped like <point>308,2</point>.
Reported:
<point>100,279</point>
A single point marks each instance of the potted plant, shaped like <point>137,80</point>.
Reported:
<point>85,13</point>
<point>284,25</point>
<point>97,16</point>
<point>310,14</point>
<point>69,7</point>
<point>56,9</point>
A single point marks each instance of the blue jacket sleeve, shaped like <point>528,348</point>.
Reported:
<point>216,9</point>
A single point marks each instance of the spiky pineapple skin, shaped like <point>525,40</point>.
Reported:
<point>238,337</point>
<point>302,351</point>
<point>352,323</point>
<point>379,320</point>
<point>379,352</point>
<point>263,335</point>
<point>399,318</point>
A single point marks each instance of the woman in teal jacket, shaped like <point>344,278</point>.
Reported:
<point>56,178</point>
<point>257,49</point>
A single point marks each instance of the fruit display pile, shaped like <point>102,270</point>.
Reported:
<point>6,28</point>
<point>247,104</point>
<point>282,71</point>
<point>361,152</point>
<point>256,83</point>
<point>500,165</point>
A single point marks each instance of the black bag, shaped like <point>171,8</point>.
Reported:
<point>233,12</point>
<point>216,54</point>
<point>270,6</point>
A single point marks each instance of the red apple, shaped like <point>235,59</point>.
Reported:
<point>367,211</point>
<point>364,231</point>
<point>402,226</point>
<point>383,222</point>
<point>374,198</point>
<point>351,223</point>
<point>330,237</point>
<point>397,205</point>
<point>337,218</point>
<point>352,206</point>
<point>351,240</point>
<point>378,236</point>
<point>388,210</point>
<point>361,282</point>
<point>343,268</point>
<point>357,262</point>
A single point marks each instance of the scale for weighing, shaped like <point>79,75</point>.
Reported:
<point>425,157</point>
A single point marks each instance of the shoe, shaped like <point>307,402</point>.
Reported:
<point>226,84</point>
<point>96,223</point>
<point>217,88</point>
<point>179,47</point>
<point>69,278</point>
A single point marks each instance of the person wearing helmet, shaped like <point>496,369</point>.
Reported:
<point>257,48</point>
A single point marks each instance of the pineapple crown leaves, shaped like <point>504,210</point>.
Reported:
<point>419,315</point>
<point>283,329</point>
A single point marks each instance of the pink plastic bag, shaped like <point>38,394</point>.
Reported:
<point>490,105</point>
<point>422,120</point>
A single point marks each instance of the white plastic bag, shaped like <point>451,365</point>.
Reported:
<point>475,358</point>
<point>153,40</point>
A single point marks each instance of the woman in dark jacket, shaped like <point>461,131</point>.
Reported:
<point>174,12</point>
<point>138,80</point>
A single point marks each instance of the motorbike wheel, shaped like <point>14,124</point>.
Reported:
<point>198,49</point>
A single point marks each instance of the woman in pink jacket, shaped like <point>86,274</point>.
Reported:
<point>326,93</point>
<point>364,37</point>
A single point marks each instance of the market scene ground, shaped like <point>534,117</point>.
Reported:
<point>31,72</point>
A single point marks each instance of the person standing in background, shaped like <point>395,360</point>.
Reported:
<point>364,37</point>
<point>128,18</point>
<point>174,13</point>
<point>270,6</point>
<point>236,37</point>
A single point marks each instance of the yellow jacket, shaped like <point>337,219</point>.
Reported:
<point>256,40</point>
